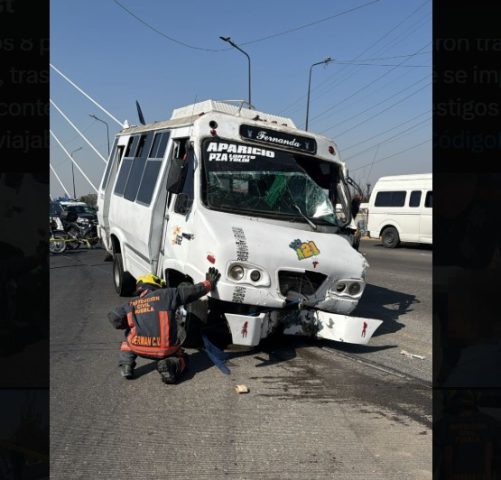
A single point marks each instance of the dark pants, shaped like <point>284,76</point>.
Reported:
<point>127,357</point>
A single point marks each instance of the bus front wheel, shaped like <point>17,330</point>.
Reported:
<point>193,317</point>
<point>123,281</point>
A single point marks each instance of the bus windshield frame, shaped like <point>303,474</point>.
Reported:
<point>246,179</point>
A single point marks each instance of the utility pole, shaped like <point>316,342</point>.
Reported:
<point>228,40</point>
<point>326,61</point>
<point>107,131</point>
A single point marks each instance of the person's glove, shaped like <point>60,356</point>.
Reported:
<point>212,276</point>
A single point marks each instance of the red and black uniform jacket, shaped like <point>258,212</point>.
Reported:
<point>150,319</point>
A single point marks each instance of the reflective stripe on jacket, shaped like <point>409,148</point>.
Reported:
<point>151,319</point>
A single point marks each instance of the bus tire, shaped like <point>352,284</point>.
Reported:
<point>390,237</point>
<point>194,316</point>
<point>123,281</point>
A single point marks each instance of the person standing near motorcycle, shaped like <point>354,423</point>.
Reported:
<point>150,325</point>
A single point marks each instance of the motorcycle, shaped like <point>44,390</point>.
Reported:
<point>57,238</point>
<point>81,234</point>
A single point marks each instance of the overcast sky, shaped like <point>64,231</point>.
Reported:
<point>373,100</point>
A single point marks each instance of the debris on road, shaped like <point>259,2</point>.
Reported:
<point>412,355</point>
<point>241,388</point>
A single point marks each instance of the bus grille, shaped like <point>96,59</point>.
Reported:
<point>306,283</point>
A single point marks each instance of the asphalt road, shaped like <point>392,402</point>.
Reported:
<point>315,410</point>
<point>399,292</point>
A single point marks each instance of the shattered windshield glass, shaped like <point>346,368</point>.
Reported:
<point>268,182</point>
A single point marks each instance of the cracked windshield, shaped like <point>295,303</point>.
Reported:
<point>267,182</point>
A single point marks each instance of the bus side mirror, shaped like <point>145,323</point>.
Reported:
<point>183,204</point>
<point>175,177</point>
<point>355,206</point>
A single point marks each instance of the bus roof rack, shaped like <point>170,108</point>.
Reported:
<point>231,107</point>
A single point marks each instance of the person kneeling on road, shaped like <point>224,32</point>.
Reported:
<point>150,325</point>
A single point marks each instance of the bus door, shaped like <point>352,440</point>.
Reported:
<point>177,229</point>
<point>106,188</point>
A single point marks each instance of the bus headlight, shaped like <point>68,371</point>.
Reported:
<point>237,272</point>
<point>255,275</point>
<point>348,287</point>
<point>246,273</point>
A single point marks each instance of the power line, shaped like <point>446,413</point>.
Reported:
<point>361,99</point>
<point>385,131</point>
<point>389,139</point>
<point>393,81</point>
<point>405,34</point>
<point>268,37</point>
<point>393,155</point>
<point>370,94</point>
<point>316,22</point>
<point>372,45</point>
<point>384,58</point>
<point>380,112</point>
<point>366,86</point>
<point>384,47</point>
<point>372,164</point>
<point>379,103</point>
<point>172,39</point>
<point>385,65</point>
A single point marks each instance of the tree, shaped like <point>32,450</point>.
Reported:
<point>90,199</point>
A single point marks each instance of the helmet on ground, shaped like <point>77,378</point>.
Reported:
<point>150,279</point>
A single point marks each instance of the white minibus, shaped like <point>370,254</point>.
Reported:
<point>249,193</point>
<point>400,209</point>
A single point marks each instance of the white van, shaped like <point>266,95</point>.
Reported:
<point>400,209</point>
<point>247,192</point>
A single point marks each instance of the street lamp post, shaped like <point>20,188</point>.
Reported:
<point>326,61</point>
<point>228,40</point>
<point>73,172</point>
<point>107,130</point>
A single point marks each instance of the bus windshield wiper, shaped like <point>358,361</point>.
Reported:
<point>312,225</point>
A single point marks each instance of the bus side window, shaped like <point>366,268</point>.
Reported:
<point>129,147</point>
<point>415,198</point>
<point>180,148</point>
<point>390,199</point>
<point>428,201</point>
<point>120,151</point>
<point>116,154</point>
<point>185,198</point>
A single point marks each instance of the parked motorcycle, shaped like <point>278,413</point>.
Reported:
<point>84,233</point>
<point>57,238</point>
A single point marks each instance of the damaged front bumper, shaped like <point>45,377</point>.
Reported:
<point>249,330</point>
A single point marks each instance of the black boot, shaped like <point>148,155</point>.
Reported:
<point>127,371</point>
<point>169,369</point>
